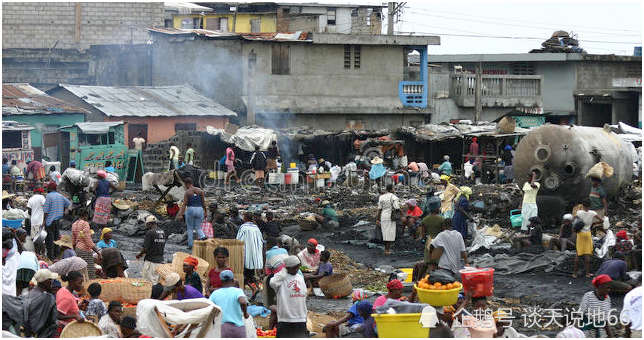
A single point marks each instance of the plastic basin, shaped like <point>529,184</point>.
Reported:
<point>400,326</point>
<point>478,280</point>
<point>409,272</point>
<point>14,224</point>
<point>437,298</point>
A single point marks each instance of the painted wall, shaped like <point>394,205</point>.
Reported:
<point>559,82</point>
<point>39,122</point>
<point>161,128</point>
<point>267,21</point>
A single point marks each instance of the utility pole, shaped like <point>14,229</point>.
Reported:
<point>235,18</point>
<point>479,85</point>
<point>250,106</point>
<point>390,18</point>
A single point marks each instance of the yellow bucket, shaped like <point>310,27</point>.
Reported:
<point>400,326</point>
<point>293,165</point>
<point>409,272</point>
<point>437,298</point>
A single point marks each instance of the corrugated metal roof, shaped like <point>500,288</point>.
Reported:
<point>295,36</point>
<point>24,99</point>
<point>149,101</point>
<point>10,125</point>
<point>206,33</point>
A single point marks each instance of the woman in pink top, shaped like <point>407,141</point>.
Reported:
<point>395,288</point>
<point>82,241</point>
<point>66,302</point>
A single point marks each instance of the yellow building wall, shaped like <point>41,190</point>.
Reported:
<point>268,21</point>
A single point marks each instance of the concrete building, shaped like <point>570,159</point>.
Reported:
<point>329,18</point>
<point>330,81</point>
<point>157,112</point>
<point>26,104</point>
<point>92,43</point>
<point>570,87</point>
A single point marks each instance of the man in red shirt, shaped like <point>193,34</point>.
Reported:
<point>411,217</point>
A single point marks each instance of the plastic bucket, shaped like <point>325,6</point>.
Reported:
<point>409,272</point>
<point>13,224</point>
<point>293,165</point>
<point>400,326</point>
<point>478,280</point>
<point>437,298</point>
<point>516,218</point>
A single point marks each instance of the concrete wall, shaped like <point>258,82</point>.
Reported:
<point>78,25</point>
<point>161,128</point>
<point>341,121</point>
<point>559,82</point>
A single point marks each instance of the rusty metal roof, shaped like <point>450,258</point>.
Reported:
<point>289,36</point>
<point>149,101</point>
<point>24,99</point>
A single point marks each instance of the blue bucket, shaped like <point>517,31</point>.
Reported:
<point>13,224</point>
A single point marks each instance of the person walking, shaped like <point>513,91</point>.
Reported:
<point>253,250</point>
<point>462,215</point>
<point>233,303</point>
<point>35,207</point>
<point>153,249</point>
<point>529,204</point>
<point>230,166</point>
<point>258,162</point>
<point>388,206</point>
<point>194,206</point>
<point>190,155</point>
<point>508,169</point>
<point>82,242</point>
<point>174,157</point>
<point>53,210</point>
<point>103,205</point>
<point>291,300</point>
<point>447,197</point>
<point>273,152</point>
<point>597,198</point>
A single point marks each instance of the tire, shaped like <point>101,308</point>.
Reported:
<point>371,153</point>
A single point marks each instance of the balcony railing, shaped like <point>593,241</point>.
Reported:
<point>413,93</point>
<point>498,90</point>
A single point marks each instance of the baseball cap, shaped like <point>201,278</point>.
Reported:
<point>292,261</point>
<point>43,275</point>
<point>226,275</point>
<point>171,281</point>
<point>150,219</point>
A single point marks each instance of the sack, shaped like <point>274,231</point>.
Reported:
<point>396,214</point>
<point>206,226</point>
<point>441,275</point>
<point>599,170</point>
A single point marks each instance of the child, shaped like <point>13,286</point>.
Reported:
<point>324,269</point>
<point>271,228</point>
<point>96,306</point>
<point>214,282</point>
<point>54,175</point>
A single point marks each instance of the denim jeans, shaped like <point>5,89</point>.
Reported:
<point>194,217</point>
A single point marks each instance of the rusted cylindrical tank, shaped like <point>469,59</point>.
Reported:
<point>562,155</point>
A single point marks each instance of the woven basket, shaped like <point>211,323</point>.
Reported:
<point>199,249</point>
<point>307,225</point>
<point>235,260</point>
<point>262,322</point>
<point>177,264</point>
<point>77,329</point>
<point>507,124</point>
<point>129,311</point>
<point>125,290</point>
<point>164,270</point>
<point>337,285</point>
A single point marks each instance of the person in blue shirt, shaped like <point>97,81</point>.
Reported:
<point>109,167</point>
<point>106,239</point>
<point>5,166</point>
<point>324,269</point>
<point>446,167</point>
<point>233,303</point>
<point>352,322</point>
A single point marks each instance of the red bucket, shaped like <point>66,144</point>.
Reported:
<point>478,280</point>
<point>287,178</point>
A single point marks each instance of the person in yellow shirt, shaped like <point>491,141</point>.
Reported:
<point>529,204</point>
<point>447,197</point>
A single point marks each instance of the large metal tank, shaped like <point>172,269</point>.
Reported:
<point>562,155</point>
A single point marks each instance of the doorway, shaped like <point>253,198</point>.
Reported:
<point>133,130</point>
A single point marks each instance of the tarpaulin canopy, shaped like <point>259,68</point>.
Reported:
<point>247,137</point>
<point>95,128</point>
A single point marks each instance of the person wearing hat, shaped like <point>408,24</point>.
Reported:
<point>253,251</point>
<point>447,197</point>
<point>461,211</point>
<point>192,277</point>
<point>529,203</point>
<point>233,303</point>
<point>153,249</point>
<point>534,238</point>
<point>388,205</point>
<point>596,306</point>
<point>377,170</point>
<point>411,217</point>
<point>43,314</point>
<point>291,300</point>
<point>7,200</point>
<point>566,232</point>
<point>508,169</point>
<point>353,321</point>
<point>83,243</point>
<point>446,167</point>
<point>616,268</point>
<point>53,209</point>
<point>66,246</point>
<point>103,205</point>
<point>128,327</point>
<point>329,217</point>
<point>35,206</point>
<point>394,291</point>
<point>112,262</point>
<point>175,287</point>
<point>106,239</point>
<point>310,256</point>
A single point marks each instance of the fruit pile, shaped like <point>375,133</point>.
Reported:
<point>425,284</point>
<point>266,334</point>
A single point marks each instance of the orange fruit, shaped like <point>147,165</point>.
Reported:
<point>437,284</point>
<point>457,284</point>
<point>450,286</point>
<point>432,288</point>
<point>443,287</point>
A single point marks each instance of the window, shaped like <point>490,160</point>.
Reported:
<point>212,24</point>
<point>356,56</point>
<point>11,139</point>
<point>223,24</point>
<point>197,23</point>
<point>255,25</point>
<point>354,13</point>
<point>347,56</point>
<point>168,23</point>
<point>281,60</point>
<point>98,139</point>
<point>330,16</point>
<point>186,23</point>
<point>523,69</point>
<point>369,12</point>
<point>185,127</point>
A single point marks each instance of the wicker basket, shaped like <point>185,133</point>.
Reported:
<point>507,124</point>
<point>262,322</point>
<point>235,260</point>
<point>129,311</point>
<point>337,285</point>
<point>307,225</point>
<point>199,249</point>
<point>164,270</point>
<point>125,290</point>
<point>77,329</point>
<point>177,264</point>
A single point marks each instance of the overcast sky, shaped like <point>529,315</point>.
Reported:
<point>520,26</point>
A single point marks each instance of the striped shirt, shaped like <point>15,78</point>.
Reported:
<point>82,236</point>
<point>595,309</point>
<point>54,207</point>
<point>253,245</point>
<point>275,260</point>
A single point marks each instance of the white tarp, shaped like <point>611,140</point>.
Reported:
<point>246,138</point>
<point>193,311</point>
<point>96,128</point>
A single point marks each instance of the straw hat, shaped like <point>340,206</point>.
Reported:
<point>376,160</point>
<point>6,194</point>
<point>66,241</point>
<point>325,203</point>
<point>120,205</point>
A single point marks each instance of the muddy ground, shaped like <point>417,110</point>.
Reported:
<point>357,209</point>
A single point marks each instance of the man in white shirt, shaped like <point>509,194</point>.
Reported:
<point>35,208</point>
<point>529,203</point>
<point>174,156</point>
<point>633,308</point>
<point>10,262</point>
<point>449,247</point>
<point>138,142</point>
<point>291,300</point>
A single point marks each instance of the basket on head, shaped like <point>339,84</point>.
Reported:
<point>337,285</point>
<point>128,290</point>
<point>307,225</point>
<point>164,270</point>
<point>177,264</point>
<point>77,329</point>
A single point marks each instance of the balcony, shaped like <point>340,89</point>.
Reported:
<point>413,93</point>
<point>498,90</point>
